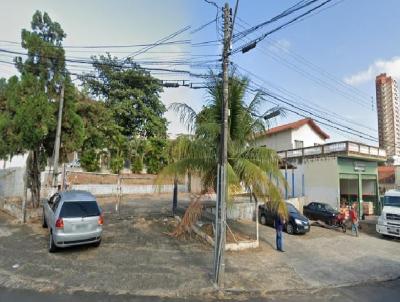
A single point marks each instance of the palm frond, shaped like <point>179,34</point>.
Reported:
<point>187,115</point>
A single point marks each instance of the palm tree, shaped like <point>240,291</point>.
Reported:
<point>249,165</point>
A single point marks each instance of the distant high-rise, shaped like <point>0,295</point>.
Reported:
<point>387,101</point>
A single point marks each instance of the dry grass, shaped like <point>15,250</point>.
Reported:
<point>192,214</point>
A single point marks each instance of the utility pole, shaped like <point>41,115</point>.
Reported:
<point>220,235</point>
<point>58,137</point>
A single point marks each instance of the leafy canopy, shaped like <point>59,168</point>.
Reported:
<point>131,93</point>
<point>248,165</point>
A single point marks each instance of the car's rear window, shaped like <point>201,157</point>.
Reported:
<point>79,209</point>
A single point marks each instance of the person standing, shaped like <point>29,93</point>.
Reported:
<point>279,222</point>
<point>354,220</point>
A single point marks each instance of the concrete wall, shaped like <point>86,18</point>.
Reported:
<point>110,189</point>
<point>298,202</point>
<point>12,182</point>
<point>15,162</point>
<point>321,178</point>
<point>278,141</point>
<point>295,182</point>
<point>237,210</point>
<point>306,134</point>
<point>107,184</point>
<point>244,209</point>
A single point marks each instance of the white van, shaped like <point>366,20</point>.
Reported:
<point>389,221</point>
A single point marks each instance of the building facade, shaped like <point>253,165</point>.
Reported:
<point>334,173</point>
<point>300,134</point>
<point>388,109</point>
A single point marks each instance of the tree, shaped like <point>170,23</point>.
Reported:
<point>156,154</point>
<point>32,100</point>
<point>100,128</point>
<point>118,151</point>
<point>137,150</point>
<point>248,164</point>
<point>5,122</point>
<point>132,95</point>
<point>174,155</point>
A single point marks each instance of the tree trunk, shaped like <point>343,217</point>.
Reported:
<point>175,197</point>
<point>35,178</point>
<point>189,182</point>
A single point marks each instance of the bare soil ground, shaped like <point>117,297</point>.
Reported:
<point>137,256</point>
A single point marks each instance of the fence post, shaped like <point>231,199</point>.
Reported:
<point>118,203</point>
<point>257,226</point>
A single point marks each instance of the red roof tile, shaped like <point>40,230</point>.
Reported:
<point>296,125</point>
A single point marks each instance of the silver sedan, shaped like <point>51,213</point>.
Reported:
<point>73,218</point>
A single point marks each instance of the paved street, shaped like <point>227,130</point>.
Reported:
<point>375,292</point>
<point>137,257</point>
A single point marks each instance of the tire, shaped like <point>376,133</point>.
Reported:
<point>44,223</point>
<point>97,244</point>
<point>52,246</point>
<point>290,228</point>
<point>263,219</point>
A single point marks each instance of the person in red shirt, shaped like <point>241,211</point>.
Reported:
<point>354,219</point>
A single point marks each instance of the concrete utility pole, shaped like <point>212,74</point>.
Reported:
<point>58,138</point>
<point>220,236</point>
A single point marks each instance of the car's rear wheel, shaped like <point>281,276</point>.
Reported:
<point>44,223</point>
<point>52,246</point>
<point>263,220</point>
<point>290,228</point>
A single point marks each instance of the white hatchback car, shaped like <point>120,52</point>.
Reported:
<point>73,218</point>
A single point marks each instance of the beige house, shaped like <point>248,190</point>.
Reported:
<point>300,134</point>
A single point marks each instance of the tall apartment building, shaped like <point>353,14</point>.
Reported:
<point>387,100</point>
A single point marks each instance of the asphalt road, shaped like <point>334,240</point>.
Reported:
<point>382,291</point>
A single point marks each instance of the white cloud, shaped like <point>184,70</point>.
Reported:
<point>391,67</point>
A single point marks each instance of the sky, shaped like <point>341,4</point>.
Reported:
<point>327,62</point>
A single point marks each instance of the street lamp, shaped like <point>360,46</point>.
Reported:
<point>270,113</point>
<point>273,112</point>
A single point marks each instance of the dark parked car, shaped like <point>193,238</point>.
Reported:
<point>320,211</point>
<point>297,223</point>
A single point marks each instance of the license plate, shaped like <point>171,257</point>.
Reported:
<point>306,227</point>
<point>80,227</point>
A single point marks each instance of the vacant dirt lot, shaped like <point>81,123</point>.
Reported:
<point>137,256</point>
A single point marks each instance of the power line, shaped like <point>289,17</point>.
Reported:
<point>158,42</point>
<point>298,6</point>
<point>89,62</point>
<point>313,78</point>
<point>201,27</point>
<point>299,58</point>
<point>306,102</point>
<point>290,102</point>
<point>262,37</point>
<point>185,42</point>
<point>318,118</point>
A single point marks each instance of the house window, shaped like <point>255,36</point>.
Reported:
<point>298,144</point>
